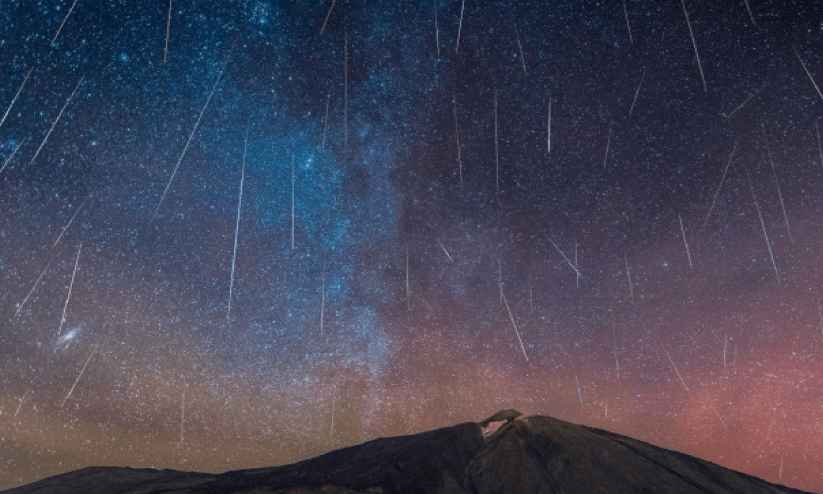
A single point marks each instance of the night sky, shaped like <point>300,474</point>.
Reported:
<point>607,212</point>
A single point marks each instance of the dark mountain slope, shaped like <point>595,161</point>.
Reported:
<point>418,463</point>
<point>506,453</point>
<point>546,455</point>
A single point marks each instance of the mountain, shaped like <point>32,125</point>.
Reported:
<point>506,453</point>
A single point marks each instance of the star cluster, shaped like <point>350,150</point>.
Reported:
<point>608,212</point>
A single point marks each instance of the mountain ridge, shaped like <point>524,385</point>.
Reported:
<point>505,453</point>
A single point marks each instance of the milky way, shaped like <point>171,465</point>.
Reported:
<point>606,212</point>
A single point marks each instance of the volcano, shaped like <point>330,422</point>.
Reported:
<point>506,453</point>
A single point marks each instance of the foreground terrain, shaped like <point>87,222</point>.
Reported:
<point>506,453</point>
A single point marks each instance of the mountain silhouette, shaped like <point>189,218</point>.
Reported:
<point>506,453</point>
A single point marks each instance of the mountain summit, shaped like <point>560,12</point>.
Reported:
<point>506,453</point>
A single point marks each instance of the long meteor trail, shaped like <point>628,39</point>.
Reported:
<point>516,331</point>
<point>808,73</point>
<point>78,378</point>
<point>694,43</point>
<point>20,90</point>
<point>196,124</point>
<point>763,225</point>
<point>70,221</point>
<point>237,224</point>
<point>564,256</point>
<point>22,304</point>
<point>722,178</point>
<point>71,285</point>
<point>56,120</point>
